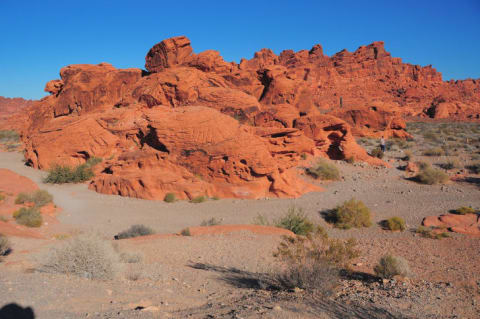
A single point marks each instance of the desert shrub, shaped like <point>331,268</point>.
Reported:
<point>185,232</point>
<point>2,197</point>
<point>350,160</point>
<point>59,174</point>
<point>215,198</point>
<point>390,266</point>
<point>437,151</point>
<point>5,246</point>
<point>198,199</point>
<point>377,152</point>
<point>464,210</point>
<point>432,232</point>
<point>211,222</point>
<point>395,223</point>
<point>92,161</point>
<point>324,171</point>
<point>9,136</point>
<point>450,164</point>
<point>40,198</point>
<point>3,219</point>
<point>28,216</point>
<point>135,231</point>
<point>474,168</point>
<point>261,220</point>
<point>170,198</point>
<point>408,155</point>
<point>313,261</point>
<point>352,213</point>
<point>296,221</point>
<point>423,164</point>
<point>130,258</point>
<point>87,256</point>
<point>431,176</point>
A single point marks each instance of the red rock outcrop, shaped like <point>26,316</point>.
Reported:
<point>10,107</point>
<point>197,125</point>
<point>465,224</point>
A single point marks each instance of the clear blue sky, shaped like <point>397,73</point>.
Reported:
<point>40,37</point>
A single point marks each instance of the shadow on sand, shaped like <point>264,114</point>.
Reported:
<point>14,311</point>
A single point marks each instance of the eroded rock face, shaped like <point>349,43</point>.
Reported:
<point>197,125</point>
<point>12,107</point>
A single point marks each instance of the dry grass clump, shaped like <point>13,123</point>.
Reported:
<point>5,246</point>
<point>431,176</point>
<point>432,232</point>
<point>324,170</point>
<point>313,261</point>
<point>474,168</point>
<point>211,222</point>
<point>437,151</point>
<point>61,174</point>
<point>28,216</point>
<point>352,213</point>
<point>390,266</point>
<point>394,224</point>
<point>9,136</point>
<point>170,198</point>
<point>185,232</point>
<point>296,221</point>
<point>2,197</point>
<point>377,152</point>
<point>135,231</point>
<point>87,256</point>
<point>450,164</point>
<point>464,210</point>
<point>198,199</point>
<point>40,198</point>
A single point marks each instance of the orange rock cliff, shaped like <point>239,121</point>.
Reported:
<point>193,124</point>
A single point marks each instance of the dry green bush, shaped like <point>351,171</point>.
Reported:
<point>395,223</point>
<point>135,231</point>
<point>9,136</point>
<point>432,232</point>
<point>130,258</point>
<point>324,170</point>
<point>198,199</point>
<point>450,164</point>
<point>28,216</point>
<point>423,165</point>
<point>296,221</point>
<point>313,261</point>
<point>464,210</point>
<point>2,197</point>
<point>352,213</point>
<point>87,256</point>
<point>5,246</point>
<point>261,220</point>
<point>437,151</point>
<point>170,198</point>
<point>377,152</point>
<point>60,174</point>
<point>211,222</point>
<point>40,198</point>
<point>390,266</point>
<point>185,232</point>
<point>431,176</point>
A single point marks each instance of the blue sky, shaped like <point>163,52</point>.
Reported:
<point>40,37</point>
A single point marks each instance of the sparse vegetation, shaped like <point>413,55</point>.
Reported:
<point>61,174</point>
<point>170,198</point>
<point>198,199</point>
<point>211,222</point>
<point>395,223</point>
<point>87,256</point>
<point>464,210</point>
<point>40,198</point>
<point>324,170</point>
<point>2,197</point>
<point>296,221</point>
<point>431,176</point>
<point>5,246</point>
<point>432,232</point>
<point>390,266</point>
<point>9,136</point>
<point>352,213</point>
<point>408,155</point>
<point>423,165</point>
<point>28,216</point>
<point>450,164</point>
<point>313,261</point>
<point>350,160</point>
<point>377,152</point>
<point>474,168</point>
<point>437,151</point>
<point>130,258</point>
<point>261,220</point>
<point>135,231</point>
<point>185,232</point>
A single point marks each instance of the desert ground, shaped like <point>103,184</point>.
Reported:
<point>215,274</point>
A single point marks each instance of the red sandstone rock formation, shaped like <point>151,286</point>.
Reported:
<point>465,224</point>
<point>195,124</point>
<point>10,107</point>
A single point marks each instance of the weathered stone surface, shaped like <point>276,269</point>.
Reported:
<point>168,53</point>
<point>465,224</point>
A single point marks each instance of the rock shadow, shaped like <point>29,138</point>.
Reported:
<point>14,311</point>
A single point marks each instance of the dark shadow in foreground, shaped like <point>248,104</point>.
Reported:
<point>14,311</point>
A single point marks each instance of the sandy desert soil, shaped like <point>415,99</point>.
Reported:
<point>214,275</point>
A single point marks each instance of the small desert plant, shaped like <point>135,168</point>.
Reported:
<point>59,174</point>
<point>185,232</point>
<point>2,197</point>
<point>395,223</point>
<point>390,266</point>
<point>450,164</point>
<point>303,156</point>
<point>313,261</point>
<point>261,220</point>
<point>431,176</point>
<point>434,152</point>
<point>377,152</point>
<point>296,221</point>
<point>464,210</point>
<point>423,165</point>
<point>198,199</point>
<point>324,171</point>
<point>9,136</point>
<point>431,232</point>
<point>352,213</point>
<point>3,218</point>
<point>40,198</point>
<point>28,216</point>
<point>130,258</point>
<point>170,198</point>
<point>135,231</point>
<point>408,155</point>
<point>92,161</point>
<point>5,246</point>
<point>87,256</point>
<point>211,222</point>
